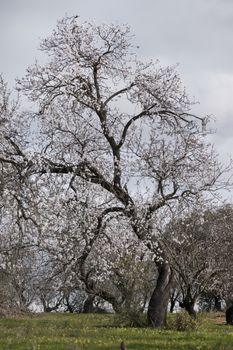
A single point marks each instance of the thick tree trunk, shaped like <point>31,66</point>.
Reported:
<point>157,309</point>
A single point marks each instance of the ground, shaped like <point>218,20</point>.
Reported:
<point>91,332</point>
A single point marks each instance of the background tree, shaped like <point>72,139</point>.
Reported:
<point>199,249</point>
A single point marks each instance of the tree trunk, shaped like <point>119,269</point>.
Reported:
<point>229,315</point>
<point>172,305</point>
<point>217,303</point>
<point>173,299</point>
<point>157,309</point>
<point>188,304</point>
<point>88,306</point>
<point>189,307</point>
<point>70,308</point>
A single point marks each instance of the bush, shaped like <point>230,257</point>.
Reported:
<point>182,321</point>
<point>129,318</point>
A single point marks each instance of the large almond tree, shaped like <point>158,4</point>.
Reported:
<point>125,126</point>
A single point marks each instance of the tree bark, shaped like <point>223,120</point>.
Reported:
<point>157,309</point>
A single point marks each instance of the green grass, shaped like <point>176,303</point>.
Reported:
<point>92,332</point>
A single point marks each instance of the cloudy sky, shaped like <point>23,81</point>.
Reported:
<point>197,34</point>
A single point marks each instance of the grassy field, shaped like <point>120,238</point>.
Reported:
<point>92,332</point>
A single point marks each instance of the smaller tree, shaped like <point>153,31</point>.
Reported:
<point>196,246</point>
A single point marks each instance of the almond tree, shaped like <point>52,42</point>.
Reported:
<point>111,120</point>
<point>198,245</point>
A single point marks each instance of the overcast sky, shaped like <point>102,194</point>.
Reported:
<point>197,34</point>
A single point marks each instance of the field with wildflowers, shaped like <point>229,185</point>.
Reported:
<point>99,332</point>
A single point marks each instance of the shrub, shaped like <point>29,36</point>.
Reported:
<point>182,321</point>
<point>130,318</point>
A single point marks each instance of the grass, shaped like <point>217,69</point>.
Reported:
<point>94,332</point>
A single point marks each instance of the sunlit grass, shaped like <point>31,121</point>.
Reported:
<point>92,332</point>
